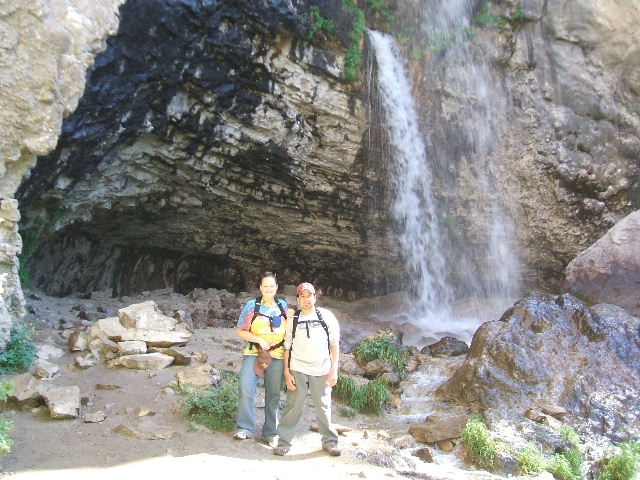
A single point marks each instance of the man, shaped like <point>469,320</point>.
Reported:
<point>311,345</point>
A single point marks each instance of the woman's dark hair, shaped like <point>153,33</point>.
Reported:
<point>267,275</point>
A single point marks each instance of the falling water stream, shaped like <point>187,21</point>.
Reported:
<point>413,209</point>
<point>441,308</point>
<point>487,279</point>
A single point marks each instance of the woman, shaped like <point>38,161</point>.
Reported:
<point>262,324</point>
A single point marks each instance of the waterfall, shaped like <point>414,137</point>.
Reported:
<point>459,256</point>
<point>413,210</point>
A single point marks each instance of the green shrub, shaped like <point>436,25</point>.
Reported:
<point>518,16</point>
<point>570,435</point>
<point>6,426</point>
<point>346,387</point>
<point>318,23</point>
<point>30,243</point>
<point>215,408</point>
<point>376,395</point>
<point>562,467</point>
<point>623,465</point>
<point>19,352</point>
<point>376,4</point>
<point>380,348</point>
<point>370,398</point>
<point>569,464</point>
<point>477,438</point>
<point>354,50</point>
<point>531,460</point>
<point>484,18</point>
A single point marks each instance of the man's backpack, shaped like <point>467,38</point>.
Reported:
<point>307,322</point>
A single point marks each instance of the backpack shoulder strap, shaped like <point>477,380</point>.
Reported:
<point>256,307</point>
<point>324,325</point>
<point>256,311</point>
<point>296,316</point>
<point>282,311</point>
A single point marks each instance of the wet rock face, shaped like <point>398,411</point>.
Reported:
<point>554,350</point>
<point>211,143</point>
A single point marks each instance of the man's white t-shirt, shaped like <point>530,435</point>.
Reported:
<point>310,352</point>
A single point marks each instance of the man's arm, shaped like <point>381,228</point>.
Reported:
<point>288,377</point>
<point>332,378</point>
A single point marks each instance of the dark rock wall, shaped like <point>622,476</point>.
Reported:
<point>212,142</point>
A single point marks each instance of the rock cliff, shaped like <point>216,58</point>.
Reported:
<point>212,142</point>
<point>45,49</point>
<point>215,139</point>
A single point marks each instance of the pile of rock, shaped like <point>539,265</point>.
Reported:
<point>140,337</point>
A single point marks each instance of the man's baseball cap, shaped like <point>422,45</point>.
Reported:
<point>305,286</point>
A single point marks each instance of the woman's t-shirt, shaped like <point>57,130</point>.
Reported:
<point>272,331</point>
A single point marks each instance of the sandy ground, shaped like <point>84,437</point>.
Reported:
<point>170,446</point>
<point>45,448</point>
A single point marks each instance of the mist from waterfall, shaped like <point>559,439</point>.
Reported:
<point>420,224</point>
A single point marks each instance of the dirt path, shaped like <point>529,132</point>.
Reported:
<point>164,445</point>
<point>75,449</point>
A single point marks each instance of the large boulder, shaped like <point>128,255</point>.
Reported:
<point>609,270</point>
<point>554,350</point>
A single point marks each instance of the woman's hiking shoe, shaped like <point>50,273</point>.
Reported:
<point>332,449</point>
<point>281,450</point>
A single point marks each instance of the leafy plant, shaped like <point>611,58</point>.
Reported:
<point>380,348</point>
<point>6,426</point>
<point>484,18</point>
<point>569,464</point>
<point>563,467</point>
<point>346,387</point>
<point>354,50</point>
<point>624,464</point>
<point>370,398</point>
<point>318,23</point>
<point>213,407</point>
<point>518,16</point>
<point>376,395</point>
<point>19,352</point>
<point>531,460</point>
<point>30,243</point>
<point>570,434</point>
<point>477,438</point>
<point>376,4</point>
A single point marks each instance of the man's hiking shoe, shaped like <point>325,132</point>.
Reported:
<point>282,450</point>
<point>332,449</point>
<point>241,435</point>
<point>272,441</point>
